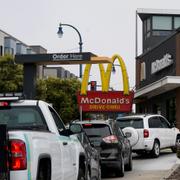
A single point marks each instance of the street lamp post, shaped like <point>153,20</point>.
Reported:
<point>60,34</point>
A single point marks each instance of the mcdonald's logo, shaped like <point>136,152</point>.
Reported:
<point>105,100</point>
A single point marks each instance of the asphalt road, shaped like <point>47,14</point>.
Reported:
<point>147,168</point>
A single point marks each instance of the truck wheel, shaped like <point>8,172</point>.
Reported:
<point>81,175</point>
<point>156,149</point>
<point>44,171</point>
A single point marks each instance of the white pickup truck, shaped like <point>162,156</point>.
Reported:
<point>39,146</point>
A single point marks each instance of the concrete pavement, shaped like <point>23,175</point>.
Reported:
<point>153,169</point>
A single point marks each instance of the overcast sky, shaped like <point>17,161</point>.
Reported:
<point>107,27</point>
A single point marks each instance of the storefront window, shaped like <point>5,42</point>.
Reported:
<point>148,24</point>
<point>147,28</point>
<point>162,23</point>
<point>156,109</point>
<point>171,110</point>
<point>176,22</point>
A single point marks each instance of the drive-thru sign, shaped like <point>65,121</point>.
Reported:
<point>105,100</point>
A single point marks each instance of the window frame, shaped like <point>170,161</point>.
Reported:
<point>57,119</point>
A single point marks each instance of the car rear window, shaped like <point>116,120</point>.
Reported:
<point>136,123</point>
<point>18,117</point>
<point>96,132</point>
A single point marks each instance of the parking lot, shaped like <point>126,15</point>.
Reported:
<point>148,168</point>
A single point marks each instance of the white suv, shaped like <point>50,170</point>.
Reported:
<point>154,132</point>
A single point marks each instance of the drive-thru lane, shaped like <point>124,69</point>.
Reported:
<point>147,168</point>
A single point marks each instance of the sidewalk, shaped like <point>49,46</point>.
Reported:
<point>173,173</point>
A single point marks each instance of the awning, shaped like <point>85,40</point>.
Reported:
<point>161,86</point>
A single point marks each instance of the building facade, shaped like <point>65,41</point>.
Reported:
<point>11,45</point>
<point>158,68</point>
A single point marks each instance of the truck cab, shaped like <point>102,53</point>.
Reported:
<point>39,146</point>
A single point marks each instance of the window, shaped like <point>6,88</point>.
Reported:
<point>99,130</point>
<point>148,24</point>
<point>96,132</point>
<point>147,28</point>
<point>171,110</point>
<point>8,50</point>
<point>176,22</point>
<point>165,124</point>
<point>20,117</point>
<point>162,23</point>
<point>136,123</point>
<point>57,120</point>
<point>1,50</point>
<point>143,71</point>
<point>161,33</point>
<point>154,122</point>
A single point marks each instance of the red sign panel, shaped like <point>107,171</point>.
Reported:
<point>112,101</point>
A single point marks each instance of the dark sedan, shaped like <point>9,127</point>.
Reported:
<point>113,146</point>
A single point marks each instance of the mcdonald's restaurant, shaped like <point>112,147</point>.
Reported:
<point>158,70</point>
<point>158,80</point>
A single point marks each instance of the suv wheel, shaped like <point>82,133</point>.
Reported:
<point>156,149</point>
<point>128,166</point>
<point>174,148</point>
<point>120,170</point>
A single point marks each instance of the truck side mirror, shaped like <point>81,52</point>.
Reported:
<point>75,128</point>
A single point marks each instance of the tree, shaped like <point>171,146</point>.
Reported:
<point>11,75</point>
<point>62,94</point>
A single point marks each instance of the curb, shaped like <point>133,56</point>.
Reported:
<point>168,174</point>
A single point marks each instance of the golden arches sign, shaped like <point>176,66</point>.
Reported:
<point>105,76</point>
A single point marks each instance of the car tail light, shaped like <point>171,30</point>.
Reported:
<point>18,160</point>
<point>146,133</point>
<point>110,139</point>
<point>3,104</point>
<point>87,125</point>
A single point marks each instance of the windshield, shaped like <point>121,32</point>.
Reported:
<point>18,117</point>
<point>136,123</point>
<point>96,132</point>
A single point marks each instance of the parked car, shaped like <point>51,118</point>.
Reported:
<point>154,132</point>
<point>92,156</point>
<point>112,144</point>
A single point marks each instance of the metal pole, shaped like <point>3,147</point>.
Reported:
<point>80,65</point>
<point>80,113</point>
<point>80,45</point>
<point>136,37</point>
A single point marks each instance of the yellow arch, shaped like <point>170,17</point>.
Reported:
<point>105,76</point>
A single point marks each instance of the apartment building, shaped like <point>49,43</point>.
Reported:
<point>11,45</point>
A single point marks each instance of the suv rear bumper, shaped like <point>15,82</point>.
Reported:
<point>146,145</point>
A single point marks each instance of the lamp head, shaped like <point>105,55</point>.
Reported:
<point>60,31</point>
